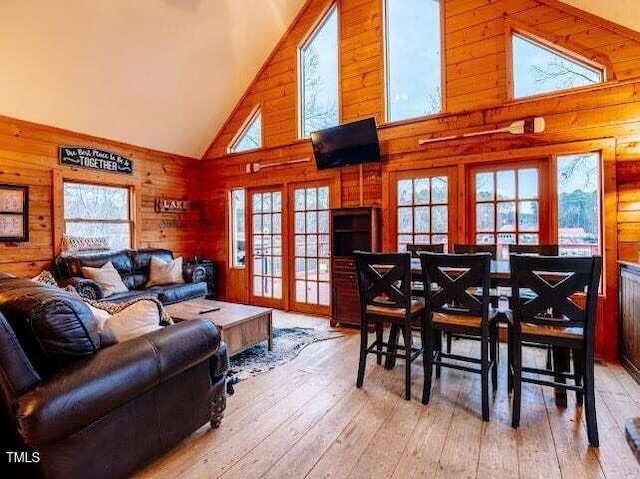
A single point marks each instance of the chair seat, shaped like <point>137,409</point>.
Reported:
<point>457,319</point>
<point>552,331</point>
<point>417,305</point>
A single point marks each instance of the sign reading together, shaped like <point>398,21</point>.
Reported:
<point>95,159</point>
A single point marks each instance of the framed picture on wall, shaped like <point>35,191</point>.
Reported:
<point>14,213</point>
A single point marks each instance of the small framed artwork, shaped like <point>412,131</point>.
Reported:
<point>14,213</point>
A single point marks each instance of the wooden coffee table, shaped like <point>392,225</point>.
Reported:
<point>241,326</point>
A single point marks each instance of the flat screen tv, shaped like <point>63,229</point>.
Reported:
<point>347,144</point>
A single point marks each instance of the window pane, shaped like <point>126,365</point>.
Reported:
<point>95,202</point>
<point>439,189</point>
<point>506,216</point>
<point>118,234</point>
<point>579,204</point>
<point>506,185</point>
<point>251,137</point>
<point>237,227</point>
<point>422,220</point>
<point>405,192</point>
<point>527,183</point>
<point>538,69</point>
<point>421,191</point>
<point>484,186</point>
<point>405,220</point>
<point>528,216</point>
<point>319,76</point>
<point>413,58</point>
<point>484,217</point>
<point>440,218</point>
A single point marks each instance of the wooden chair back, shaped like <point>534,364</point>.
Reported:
<point>539,249</point>
<point>459,248</point>
<point>384,279</point>
<point>554,282</point>
<point>455,281</point>
<point>414,249</point>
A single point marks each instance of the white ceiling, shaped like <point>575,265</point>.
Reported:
<point>164,74</point>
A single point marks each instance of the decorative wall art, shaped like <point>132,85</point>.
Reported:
<point>14,213</point>
<point>95,159</point>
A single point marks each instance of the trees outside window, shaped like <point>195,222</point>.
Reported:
<point>539,69</point>
<point>251,136</point>
<point>98,211</point>
<point>413,58</point>
<point>318,60</point>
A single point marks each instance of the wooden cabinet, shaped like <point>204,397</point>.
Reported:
<point>352,229</point>
<point>629,311</point>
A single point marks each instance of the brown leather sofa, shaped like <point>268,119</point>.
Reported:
<point>133,266</point>
<point>89,412</point>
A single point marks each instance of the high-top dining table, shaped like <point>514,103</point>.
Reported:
<point>500,274</point>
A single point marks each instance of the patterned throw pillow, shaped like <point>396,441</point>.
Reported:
<point>46,277</point>
<point>115,308</point>
<point>73,244</point>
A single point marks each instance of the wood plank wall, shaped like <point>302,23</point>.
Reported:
<point>477,97</point>
<point>29,156</point>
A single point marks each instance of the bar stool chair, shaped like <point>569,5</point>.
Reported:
<point>552,316</point>
<point>417,288</point>
<point>384,282</point>
<point>453,306</point>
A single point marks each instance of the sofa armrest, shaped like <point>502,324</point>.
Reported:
<point>86,288</point>
<point>88,390</point>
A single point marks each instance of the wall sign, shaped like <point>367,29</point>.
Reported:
<point>95,159</point>
<point>169,205</point>
<point>14,213</point>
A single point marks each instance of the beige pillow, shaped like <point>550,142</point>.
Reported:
<point>107,278</point>
<point>140,318</point>
<point>163,272</point>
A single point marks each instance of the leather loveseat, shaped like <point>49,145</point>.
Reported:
<point>133,266</point>
<point>70,408</point>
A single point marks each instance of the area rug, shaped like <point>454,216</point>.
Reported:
<point>287,344</point>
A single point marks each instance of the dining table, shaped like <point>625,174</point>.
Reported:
<point>500,293</point>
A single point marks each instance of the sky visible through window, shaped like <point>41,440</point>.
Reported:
<point>251,137</point>
<point>319,76</point>
<point>413,58</point>
<point>537,70</point>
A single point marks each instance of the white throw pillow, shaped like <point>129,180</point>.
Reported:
<point>107,278</point>
<point>100,315</point>
<point>140,318</point>
<point>165,272</point>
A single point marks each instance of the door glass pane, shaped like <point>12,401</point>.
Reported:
<point>266,219</point>
<point>311,248</point>
<point>506,185</point>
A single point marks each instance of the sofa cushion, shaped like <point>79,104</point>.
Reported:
<point>54,326</point>
<point>163,272</point>
<point>174,293</point>
<point>107,278</point>
<point>135,320</point>
<point>121,261</point>
<point>141,263</point>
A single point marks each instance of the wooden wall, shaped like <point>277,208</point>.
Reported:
<point>29,156</point>
<point>476,97</point>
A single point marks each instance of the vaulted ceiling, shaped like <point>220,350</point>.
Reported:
<point>163,74</point>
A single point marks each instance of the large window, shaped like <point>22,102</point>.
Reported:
<point>538,69</point>
<point>237,229</point>
<point>507,207</point>
<point>250,137</point>
<point>98,211</point>
<point>413,58</point>
<point>318,63</point>
<point>312,250</point>
<point>579,204</point>
<point>423,214</point>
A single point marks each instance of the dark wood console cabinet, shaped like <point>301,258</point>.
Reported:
<point>351,229</point>
<point>629,311</point>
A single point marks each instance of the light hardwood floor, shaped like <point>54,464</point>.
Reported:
<point>307,419</point>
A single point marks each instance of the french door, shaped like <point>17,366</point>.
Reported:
<point>266,272</point>
<point>311,288</point>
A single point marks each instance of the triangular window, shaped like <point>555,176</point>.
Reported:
<point>250,136</point>
<point>539,69</point>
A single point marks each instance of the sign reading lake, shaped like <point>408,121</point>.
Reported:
<point>95,159</point>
